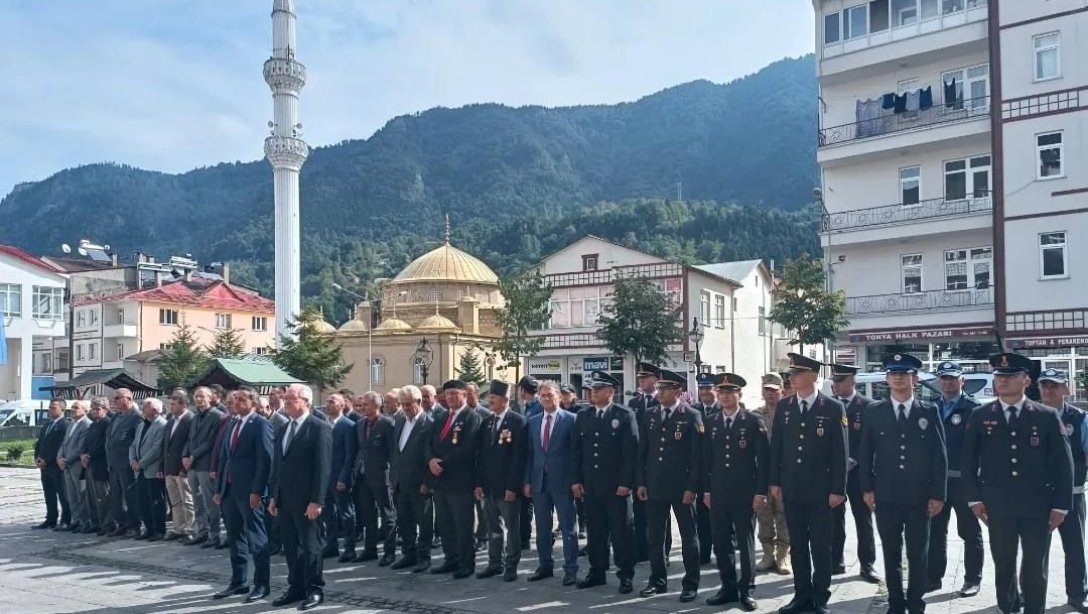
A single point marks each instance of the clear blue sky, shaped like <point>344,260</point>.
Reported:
<point>174,84</point>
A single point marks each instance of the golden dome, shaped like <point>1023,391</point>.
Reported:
<point>324,327</point>
<point>354,325</point>
<point>447,263</point>
<point>393,325</point>
<point>437,322</point>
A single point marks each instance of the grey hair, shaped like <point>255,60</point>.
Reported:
<point>180,395</point>
<point>155,403</point>
<point>550,385</point>
<point>412,392</point>
<point>102,402</point>
<point>262,401</point>
<point>82,404</point>
<point>429,388</point>
<point>373,397</point>
<point>304,392</point>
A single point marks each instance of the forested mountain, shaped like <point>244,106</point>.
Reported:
<point>516,182</point>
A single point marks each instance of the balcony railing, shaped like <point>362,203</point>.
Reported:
<point>596,278</point>
<point>571,340</point>
<point>936,15</point>
<point>894,215</point>
<point>930,300</point>
<point>891,123</point>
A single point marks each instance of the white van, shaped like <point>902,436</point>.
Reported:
<point>875,386</point>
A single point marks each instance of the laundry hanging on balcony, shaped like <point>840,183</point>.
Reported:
<point>870,117</point>
<point>953,97</point>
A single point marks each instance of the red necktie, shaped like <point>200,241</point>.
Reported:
<point>234,434</point>
<point>446,427</point>
<point>547,431</point>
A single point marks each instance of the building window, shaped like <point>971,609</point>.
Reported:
<point>62,361</point>
<point>1048,56</point>
<point>704,308</point>
<point>1048,150</point>
<point>11,300</point>
<point>92,351</point>
<point>164,346</point>
<point>589,262</point>
<point>81,318</point>
<point>48,303</point>
<point>417,371</point>
<point>1053,255</point>
<point>972,84</point>
<point>719,311</point>
<point>912,273</point>
<point>832,28</point>
<point>79,351</point>
<point>93,316</point>
<point>47,362</point>
<point>120,351</point>
<point>120,316</point>
<point>168,317</point>
<point>222,321</point>
<point>855,21</point>
<point>259,323</point>
<point>377,370</point>
<point>968,177</point>
<point>910,185</point>
<point>966,269</point>
<point>260,350</point>
<point>762,320</point>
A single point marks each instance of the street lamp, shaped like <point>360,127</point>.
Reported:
<point>423,357</point>
<point>369,332</point>
<point>696,335</point>
<point>489,360</point>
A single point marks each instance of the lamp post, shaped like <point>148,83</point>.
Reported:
<point>423,358</point>
<point>696,335</point>
<point>489,360</point>
<point>369,333</point>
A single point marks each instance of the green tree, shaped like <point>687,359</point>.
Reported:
<point>528,307</point>
<point>640,321</point>
<point>309,354</point>
<point>469,368</point>
<point>804,305</point>
<point>182,361</point>
<point>227,343</point>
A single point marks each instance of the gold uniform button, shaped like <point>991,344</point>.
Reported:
<point>800,449</point>
<point>1014,474</point>
<point>903,447</point>
<point>902,467</point>
<point>1013,446</point>
<point>798,461</point>
<point>1013,460</point>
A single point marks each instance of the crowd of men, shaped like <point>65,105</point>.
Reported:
<point>417,469</point>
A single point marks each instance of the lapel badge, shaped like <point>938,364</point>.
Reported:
<point>956,419</point>
<point>1034,441</point>
<point>454,440</point>
<point>677,435</point>
<point>820,431</point>
<point>615,423</point>
<point>923,423</point>
<point>743,443</point>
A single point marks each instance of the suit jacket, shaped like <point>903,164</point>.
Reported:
<point>737,461</point>
<point>301,475</point>
<point>408,467</point>
<point>244,467</point>
<point>174,443</point>
<point>903,464</point>
<point>500,461</point>
<point>808,453</point>
<point>556,462</point>
<point>374,452</point>
<point>457,451</point>
<point>344,448</point>
<point>50,438</point>
<point>146,447</point>
<point>219,444</point>
<point>955,429</point>
<point>94,445</point>
<point>202,434</point>
<point>605,450</point>
<point>72,446</point>
<point>670,459</point>
<point>119,437</point>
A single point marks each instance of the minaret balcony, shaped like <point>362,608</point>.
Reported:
<point>286,152</point>
<point>284,75</point>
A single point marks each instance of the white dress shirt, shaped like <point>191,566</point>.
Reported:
<point>549,427</point>
<point>287,431</point>
<point>406,432</point>
<point>810,400</point>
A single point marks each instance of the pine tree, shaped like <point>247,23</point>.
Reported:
<point>309,354</point>
<point>227,343</point>
<point>640,321</point>
<point>469,369</point>
<point>804,306</point>
<point>182,361</point>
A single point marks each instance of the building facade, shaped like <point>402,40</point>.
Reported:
<point>32,312</point>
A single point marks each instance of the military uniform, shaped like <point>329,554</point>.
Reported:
<point>772,531</point>
<point>640,403</point>
<point>1016,462</point>
<point>856,407</point>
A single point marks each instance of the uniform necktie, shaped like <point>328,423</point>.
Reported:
<point>804,408</point>
<point>728,424</point>
<point>290,436</point>
<point>902,414</point>
<point>600,414</point>
<point>547,431</point>
<point>1013,421</point>
<point>668,412</point>
<point>234,434</point>
<point>498,423</point>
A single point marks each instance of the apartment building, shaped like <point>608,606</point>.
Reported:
<point>32,312</point>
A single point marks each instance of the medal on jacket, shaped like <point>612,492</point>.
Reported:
<point>1034,437</point>
<point>857,421</point>
<point>678,435</point>
<point>505,436</point>
<point>923,423</point>
<point>456,432</point>
<point>956,419</point>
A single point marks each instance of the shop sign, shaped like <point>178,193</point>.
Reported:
<point>1049,342</point>
<point>922,335</point>
<point>545,365</point>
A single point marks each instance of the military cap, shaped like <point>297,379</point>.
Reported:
<point>704,380</point>
<point>499,389</point>
<point>1010,363</point>
<point>842,371</point>
<point>602,379</point>
<point>454,384</point>
<point>646,369</point>
<point>670,379</point>
<point>799,363</point>
<point>901,362</point>
<point>567,388</point>
<point>729,381</point>
<point>772,380</point>
<point>1058,376</point>
<point>950,369</point>
<point>528,384</point>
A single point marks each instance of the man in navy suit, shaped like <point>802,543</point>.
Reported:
<point>500,477</point>
<point>339,513</point>
<point>242,479</point>
<point>46,449</point>
<point>548,476</point>
<point>375,445</point>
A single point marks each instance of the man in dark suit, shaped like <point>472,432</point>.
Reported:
<point>197,461</point>
<point>93,458</point>
<point>302,464</point>
<point>472,399</point>
<point>1018,478</point>
<point>708,406</point>
<point>46,449</point>
<point>856,406</point>
<point>902,469</point>
<point>808,476</point>
<point>338,516</point>
<point>119,437</point>
<point>500,478</point>
<point>407,467</point>
<point>375,445</point>
<point>529,406</point>
<point>669,474</point>
<point>736,454</point>
<point>451,469</point>
<point>645,398</point>
<point>605,454</point>
<point>279,421</point>
<point>179,498</point>
<point>242,481</point>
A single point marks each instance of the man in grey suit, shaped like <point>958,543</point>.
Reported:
<point>145,456</point>
<point>197,460</point>
<point>119,437</point>
<point>69,462</point>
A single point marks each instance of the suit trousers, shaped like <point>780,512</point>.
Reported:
<point>338,516</point>
<point>969,530</point>
<point>563,504</point>
<point>657,520</point>
<point>247,537</point>
<point>151,492</point>
<point>179,500</point>
<point>303,543</point>
<point>53,489</point>
<point>98,498</point>
<point>611,519</point>
<point>455,514</point>
<point>810,526</point>
<point>773,533</point>
<point>1072,534</point>
<point>415,524</point>
<point>123,499</point>
<point>503,520</point>
<point>704,528</point>
<point>1032,534</point>
<point>77,499</point>
<point>206,514</point>
<point>526,521</point>
<point>641,531</point>
<point>896,523</point>
<point>734,522</point>
<point>482,530</point>
<point>374,505</point>
<point>863,525</point>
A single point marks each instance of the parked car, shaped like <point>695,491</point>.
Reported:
<point>875,386</point>
<point>980,386</point>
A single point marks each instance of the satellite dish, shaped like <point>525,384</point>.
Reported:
<point>82,252</point>
<point>106,247</point>
<point>271,125</point>
<point>64,247</point>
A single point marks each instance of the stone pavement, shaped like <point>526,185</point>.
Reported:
<point>43,572</point>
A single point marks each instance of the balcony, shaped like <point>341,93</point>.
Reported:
<point>570,341</point>
<point>111,331</point>
<point>604,277</point>
<point>937,115</point>
<point>900,214</point>
<point>930,300</point>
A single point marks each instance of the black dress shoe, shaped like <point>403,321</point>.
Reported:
<point>869,575</point>
<point>311,601</point>
<point>653,589</point>
<point>118,532</point>
<point>444,568</point>
<point>590,582</point>
<point>541,574</point>
<point>489,572</point>
<point>626,587</point>
<point>330,553</point>
<point>154,537</point>
<point>688,594</point>
<point>287,598</point>
<point>45,525</point>
<point>89,529</point>
<point>797,606</point>
<point>387,559</point>
<point>821,608</point>
<point>403,563</point>
<point>461,574</point>
<point>210,542</point>
<point>748,604</point>
<point>193,541</point>
<point>933,586</point>
<point>1079,605</point>
<point>230,591</point>
<point>347,556</point>
<point>366,555</point>
<point>569,579</point>
<point>171,536</point>
<point>510,575</point>
<point>722,597</point>
<point>969,589</point>
<point>422,566</point>
<point>257,594</point>
<point>64,526</point>
<point>143,535</point>
<point>838,570</point>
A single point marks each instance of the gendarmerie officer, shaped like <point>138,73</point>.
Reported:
<point>956,408</point>
<point>708,406</point>
<point>1054,386</point>
<point>645,398</point>
<point>808,475</point>
<point>856,405</point>
<point>736,455</point>
<point>902,467</point>
<point>668,476</point>
<point>604,457</point>
<point>1018,477</point>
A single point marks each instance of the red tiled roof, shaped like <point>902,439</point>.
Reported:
<point>216,295</point>
<point>20,254</point>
